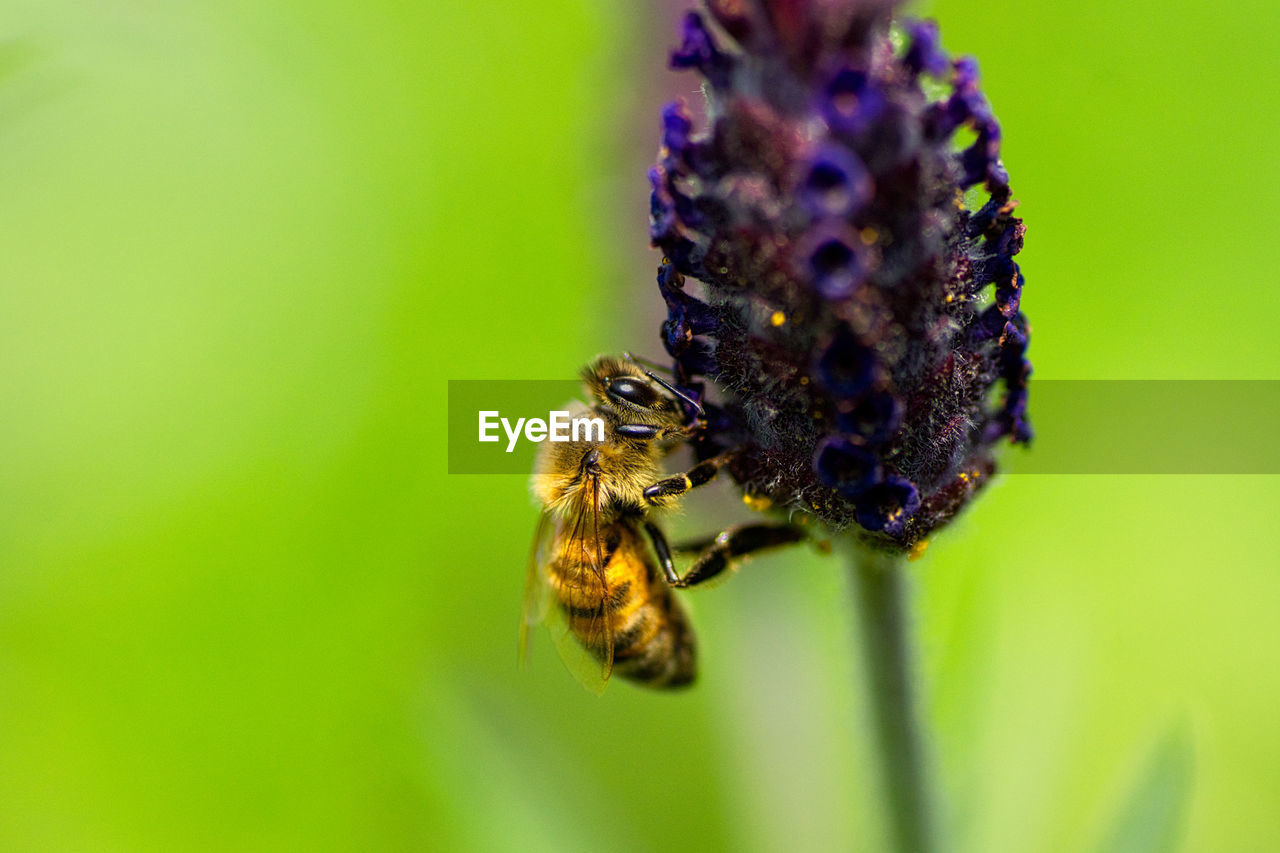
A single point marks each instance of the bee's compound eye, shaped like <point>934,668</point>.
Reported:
<point>632,391</point>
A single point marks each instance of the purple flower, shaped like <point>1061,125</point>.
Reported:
<point>859,315</point>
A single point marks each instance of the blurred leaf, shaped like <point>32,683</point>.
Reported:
<point>1153,817</point>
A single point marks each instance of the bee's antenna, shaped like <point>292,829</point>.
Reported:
<point>640,360</point>
<point>683,395</point>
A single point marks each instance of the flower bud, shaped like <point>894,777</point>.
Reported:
<point>859,312</point>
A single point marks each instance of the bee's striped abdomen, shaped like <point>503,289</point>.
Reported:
<point>653,643</point>
<point>655,646</point>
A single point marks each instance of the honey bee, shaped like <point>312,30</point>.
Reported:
<point>596,557</point>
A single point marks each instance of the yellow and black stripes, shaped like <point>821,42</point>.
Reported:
<point>626,609</point>
<point>657,652</point>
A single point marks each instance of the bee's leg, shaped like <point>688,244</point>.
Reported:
<point>698,475</point>
<point>733,544</point>
<point>663,550</point>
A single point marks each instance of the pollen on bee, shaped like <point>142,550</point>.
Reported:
<point>759,503</point>
<point>917,550</point>
<point>778,318</point>
<point>869,236</point>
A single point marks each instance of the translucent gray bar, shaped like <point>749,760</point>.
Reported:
<point>1081,426</point>
<point>1151,427</point>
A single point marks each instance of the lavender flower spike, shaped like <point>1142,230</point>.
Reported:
<point>860,313</point>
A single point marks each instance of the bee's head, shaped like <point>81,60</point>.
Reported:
<point>624,390</point>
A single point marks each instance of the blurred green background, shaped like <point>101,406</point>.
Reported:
<point>242,605</point>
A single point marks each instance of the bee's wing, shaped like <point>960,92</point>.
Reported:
<point>537,591</point>
<point>583,636</point>
<point>584,665</point>
<point>590,656</point>
<point>605,622</point>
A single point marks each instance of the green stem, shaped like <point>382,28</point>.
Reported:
<point>880,590</point>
